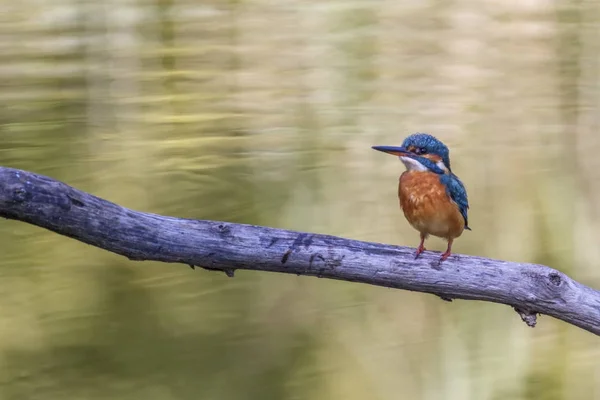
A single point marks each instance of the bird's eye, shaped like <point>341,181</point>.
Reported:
<point>420,150</point>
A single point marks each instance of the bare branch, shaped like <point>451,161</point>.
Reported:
<point>529,288</point>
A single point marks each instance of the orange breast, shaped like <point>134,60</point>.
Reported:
<point>427,207</point>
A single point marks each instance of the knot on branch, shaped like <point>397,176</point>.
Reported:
<point>555,278</point>
<point>19,195</point>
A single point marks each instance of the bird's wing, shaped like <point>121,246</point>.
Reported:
<point>457,192</point>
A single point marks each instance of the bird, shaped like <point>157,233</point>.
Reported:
<point>432,198</point>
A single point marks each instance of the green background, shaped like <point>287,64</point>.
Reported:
<point>264,112</point>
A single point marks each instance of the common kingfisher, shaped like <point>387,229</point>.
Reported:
<point>433,199</point>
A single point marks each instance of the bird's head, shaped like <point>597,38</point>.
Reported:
<point>421,152</point>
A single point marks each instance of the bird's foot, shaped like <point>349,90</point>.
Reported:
<point>448,251</point>
<point>445,255</point>
<point>420,249</point>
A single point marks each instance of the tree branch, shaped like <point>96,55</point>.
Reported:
<point>529,288</point>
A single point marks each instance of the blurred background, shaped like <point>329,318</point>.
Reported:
<point>264,112</point>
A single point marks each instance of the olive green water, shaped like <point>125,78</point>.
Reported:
<point>264,112</point>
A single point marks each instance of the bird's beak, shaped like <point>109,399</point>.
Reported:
<point>395,150</point>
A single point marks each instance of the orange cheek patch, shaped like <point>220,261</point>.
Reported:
<point>433,157</point>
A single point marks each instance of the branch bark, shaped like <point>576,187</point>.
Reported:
<point>530,289</point>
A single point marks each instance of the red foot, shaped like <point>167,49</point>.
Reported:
<point>448,251</point>
<point>421,248</point>
<point>445,256</point>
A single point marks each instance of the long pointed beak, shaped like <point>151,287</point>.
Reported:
<point>395,150</point>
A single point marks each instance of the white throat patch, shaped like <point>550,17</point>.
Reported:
<point>412,165</point>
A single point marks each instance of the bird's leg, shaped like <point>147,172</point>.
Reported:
<point>421,247</point>
<point>448,250</point>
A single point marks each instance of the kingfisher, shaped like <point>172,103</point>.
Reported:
<point>433,199</point>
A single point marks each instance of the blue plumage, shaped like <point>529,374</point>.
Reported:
<point>430,144</point>
<point>457,192</point>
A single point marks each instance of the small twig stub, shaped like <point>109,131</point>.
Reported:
<point>529,317</point>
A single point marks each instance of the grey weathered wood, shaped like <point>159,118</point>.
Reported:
<point>528,288</point>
